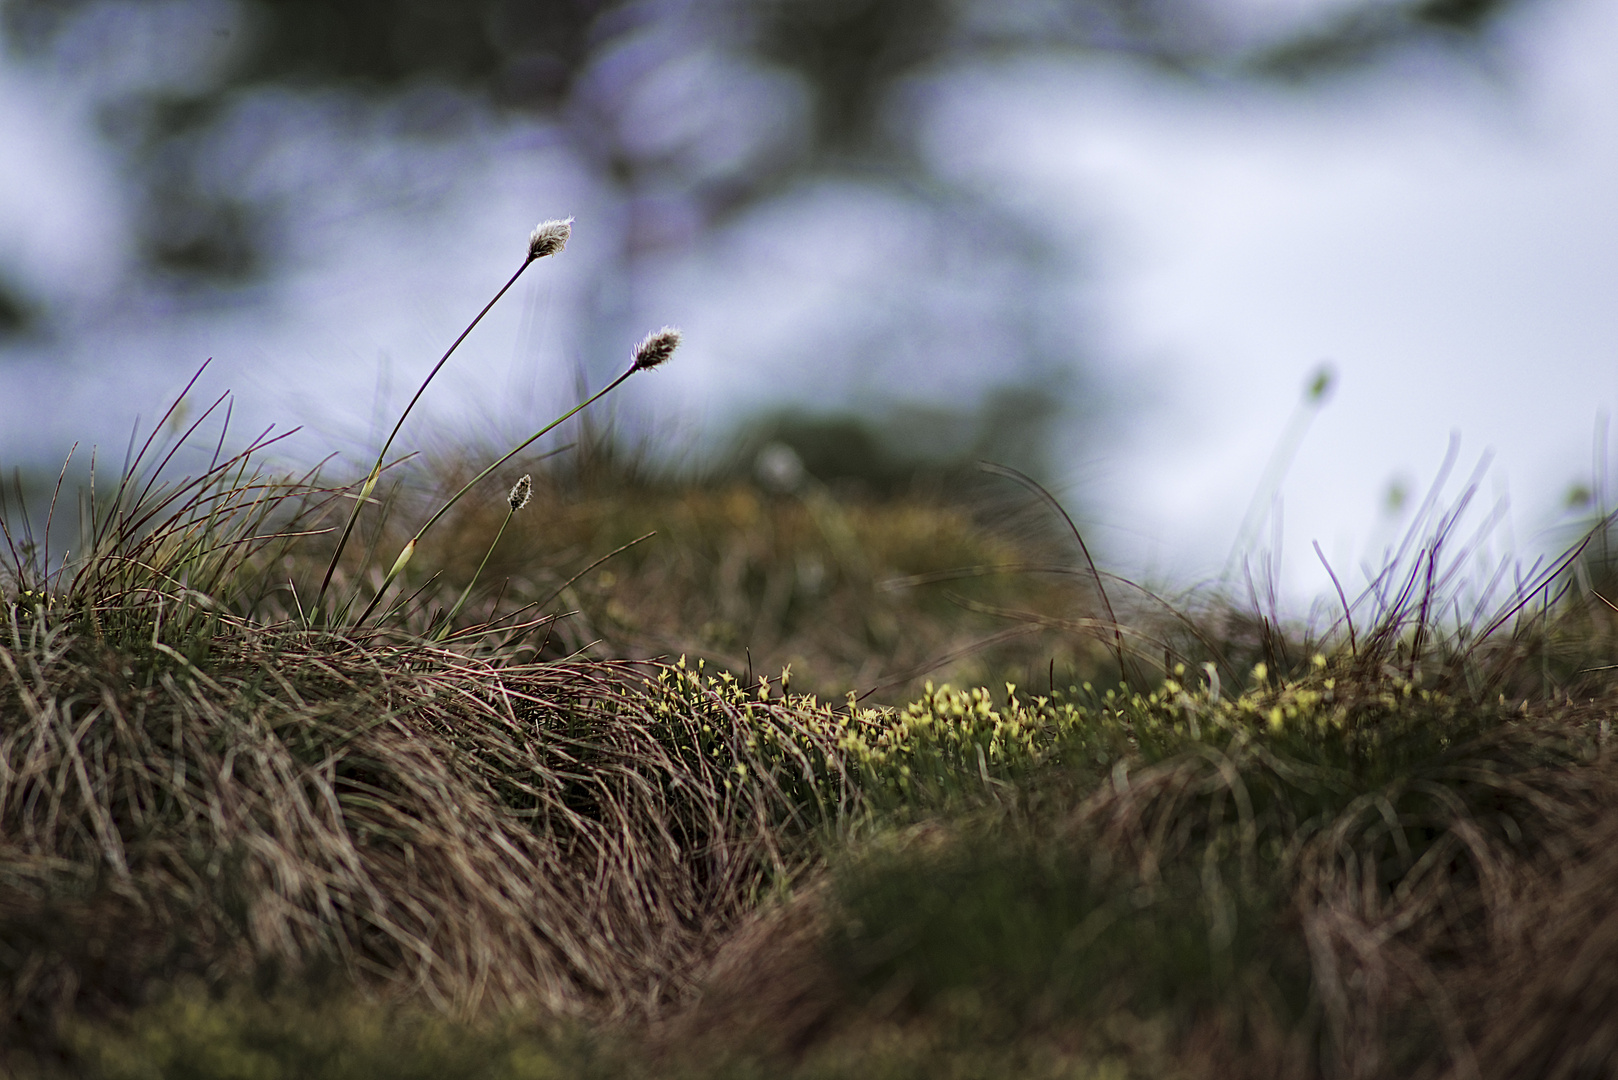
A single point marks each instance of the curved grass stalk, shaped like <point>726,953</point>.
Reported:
<point>409,549</point>
<point>548,238</point>
<point>515,501</point>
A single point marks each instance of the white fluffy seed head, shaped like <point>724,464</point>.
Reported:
<point>655,348</point>
<point>521,492</point>
<point>549,237</point>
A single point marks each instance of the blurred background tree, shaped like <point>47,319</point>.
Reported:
<point>685,114</point>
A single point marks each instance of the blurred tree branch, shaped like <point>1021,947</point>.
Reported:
<point>578,60</point>
<point>690,111</point>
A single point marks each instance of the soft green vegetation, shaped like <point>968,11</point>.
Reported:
<point>274,804</point>
<point>248,1037</point>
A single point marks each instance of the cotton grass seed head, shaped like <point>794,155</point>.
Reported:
<point>655,348</point>
<point>549,237</point>
<point>521,492</point>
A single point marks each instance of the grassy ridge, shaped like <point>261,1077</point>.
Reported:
<point>1110,886</point>
<point>221,823</point>
<point>436,774</point>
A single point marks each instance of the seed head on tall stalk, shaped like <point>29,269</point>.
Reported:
<point>548,238</point>
<point>516,500</point>
<point>654,349</point>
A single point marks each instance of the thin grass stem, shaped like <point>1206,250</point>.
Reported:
<point>376,469</point>
<point>548,238</point>
<point>410,547</point>
<point>449,619</point>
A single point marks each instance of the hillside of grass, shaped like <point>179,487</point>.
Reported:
<point>554,767</point>
<point>236,844</point>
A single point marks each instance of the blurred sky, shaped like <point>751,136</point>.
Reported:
<point>1444,233</point>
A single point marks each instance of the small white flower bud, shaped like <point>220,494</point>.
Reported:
<point>520,493</point>
<point>656,348</point>
<point>549,237</point>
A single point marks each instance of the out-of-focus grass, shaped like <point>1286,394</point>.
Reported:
<point>191,1035</point>
<point>756,580</point>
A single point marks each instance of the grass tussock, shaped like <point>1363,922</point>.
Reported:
<point>311,780</point>
<point>565,835</point>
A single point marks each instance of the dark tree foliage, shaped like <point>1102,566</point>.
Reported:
<point>523,55</point>
<point>851,71</point>
<point>1362,34</point>
<point>547,57</point>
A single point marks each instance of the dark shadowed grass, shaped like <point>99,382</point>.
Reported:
<point>311,1036</point>
<point>566,836</point>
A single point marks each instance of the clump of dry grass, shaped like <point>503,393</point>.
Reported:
<point>198,774</point>
<point>558,835</point>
